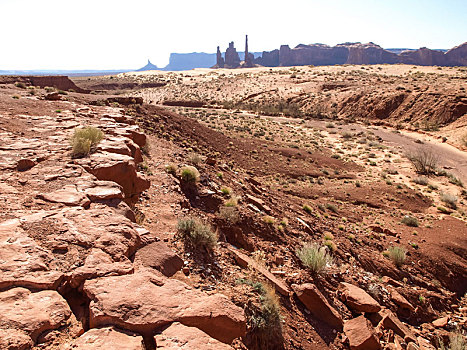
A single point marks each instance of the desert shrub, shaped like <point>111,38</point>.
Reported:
<point>331,245</point>
<point>84,140</point>
<point>397,255</point>
<point>421,180</point>
<point>314,257</point>
<point>232,201</point>
<point>189,174</point>
<point>455,180</point>
<point>269,220</point>
<point>424,160</point>
<point>171,168</point>
<point>307,208</point>
<point>61,92</point>
<point>197,233</point>
<point>49,89</point>
<point>330,125</point>
<point>265,321</point>
<point>410,221</point>
<point>20,85</point>
<point>226,190</point>
<point>229,214</point>
<point>456,342</point>
<point>331,207</point>
<point>328,236</point>
<point>194,159</point>
<point>449,199</point>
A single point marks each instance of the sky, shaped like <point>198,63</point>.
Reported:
<point>104,34</point>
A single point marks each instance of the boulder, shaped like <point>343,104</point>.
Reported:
<point>357,299</point>
<point>106,339</point>
<point>314,301</point>
<point>32,313</point>
<point>101,190</point>
<point>159,256</point>
<point>178,336</point>
<point>118,168</point>
<point>361,334</point>
<point>147,300</point>
<point>441,322</point>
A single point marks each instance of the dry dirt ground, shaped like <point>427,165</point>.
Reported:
<point>269,183</point>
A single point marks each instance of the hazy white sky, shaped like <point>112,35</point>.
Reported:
<point>114,34</point>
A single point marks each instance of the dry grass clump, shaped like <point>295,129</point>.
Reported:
<point>314,257</point>
<point>195,159</point>
<point>189,174</point>
<point>397,255</point>
<point>229,214</point>
<point>197,233</point>
<point>456,342</point>
<point>449,199</point>
<point>84,140</point>
<point>421,180</point>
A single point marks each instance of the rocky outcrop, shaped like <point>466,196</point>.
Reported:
<point>142,312</point>
<point>457,56</point>
<point>159,256</point>
<point>219,59</point>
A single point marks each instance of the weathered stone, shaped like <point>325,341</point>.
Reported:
<point>178,336</point>
<point>68,195</point>
<point>159,256</point>
<point>441,322</point>
<point>314,301</point>
<point>106,339</point>
<point>14,339</point>
<point>23,261</point>
<point>32,313</point>
<point>361,334</point>
<point>245,261</point>
<point>232,60</point>
<point>25,164</point>
<point>412,346</point>
<point>390,321</point>
<point>145,301</point>
<point>101,190</point>
<point>357,299</point>
<point>399,300</point>
<point>424,344</point>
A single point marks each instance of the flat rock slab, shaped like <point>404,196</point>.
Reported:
<point>145,301</point>
<point>32,313</point>
<point>178,336</point>
<point>357,299</point>
<point>107,338</point>
<point>23,262</point>
<point>13,339</point>
<point>68,195</point>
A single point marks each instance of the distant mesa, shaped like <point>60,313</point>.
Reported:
<point>346,53</point>
<point>149,66</point>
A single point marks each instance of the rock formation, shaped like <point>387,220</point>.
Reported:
<point>232,60</point>
<point>357,53</point>
<point>149,66</point>
<point>220,59</point>
<point>249,58</point>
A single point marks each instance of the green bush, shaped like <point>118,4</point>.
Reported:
<point>397,255</point>
<point>84,140</point>
<point>410,221</point>
<point>314,257</point>
<point>189,174</point>
<point>424,160</point>
<point>197,233</point>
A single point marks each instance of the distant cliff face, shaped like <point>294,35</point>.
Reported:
<point>187,61</point>
<point>357,53</point>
